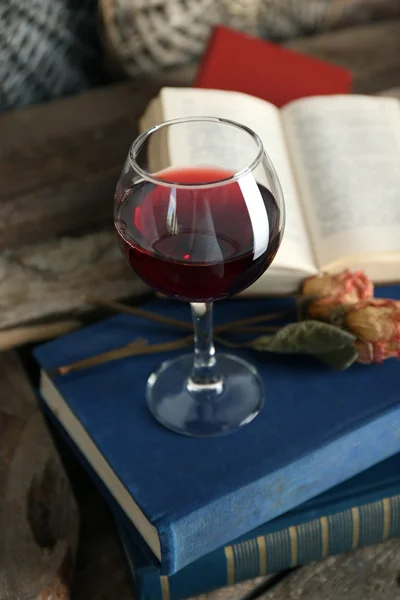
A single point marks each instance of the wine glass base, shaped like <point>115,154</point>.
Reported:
<point>205,411</point>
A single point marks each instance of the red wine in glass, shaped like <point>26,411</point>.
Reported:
<point>199,215</point>
<point>199,243</point>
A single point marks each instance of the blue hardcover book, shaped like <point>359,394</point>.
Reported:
<point>189,496</point>
<point>364,511</point>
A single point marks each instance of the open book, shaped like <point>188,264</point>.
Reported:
<point>338,160</point>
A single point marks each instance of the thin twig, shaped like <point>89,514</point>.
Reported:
<point>229,344</point>
<point>139,312</point>
<point>251,321</point>
<point>140,346</point>
<point>259,329</point>
<point>137,347</point>
<point>11,338</point>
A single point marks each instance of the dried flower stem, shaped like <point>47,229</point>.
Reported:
<point>242,324</point>
<point>229,344</point>
<point>139,312</point>
<point>259,329</point>
<point>140,346</point>
<point>135,348</point>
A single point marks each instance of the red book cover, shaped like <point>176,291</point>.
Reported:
<point>235,61</point>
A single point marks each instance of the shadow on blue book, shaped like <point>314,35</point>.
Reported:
<point>318,428</point>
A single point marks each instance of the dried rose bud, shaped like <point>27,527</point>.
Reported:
<point>326,309</point>
<point>375,320</point>
<point>346,287</point>
<point>376,352</point>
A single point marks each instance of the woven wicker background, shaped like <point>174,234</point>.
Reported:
<point>51,48</point>
<point>150,36</point>
<point>48,48</point>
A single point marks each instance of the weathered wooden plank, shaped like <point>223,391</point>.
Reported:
<point>59,162</point>
<point>51,278</point>
<point>38,514</point>
<point>37,332</point>
<point>233,592</point>
<point>368,574</point>
<point>371,52</point>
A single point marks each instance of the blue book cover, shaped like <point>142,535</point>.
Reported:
<point>318,428</point>
<point>362,511</point>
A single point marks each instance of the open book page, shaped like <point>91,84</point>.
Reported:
<point>295,253</point>
<point>346,156</point>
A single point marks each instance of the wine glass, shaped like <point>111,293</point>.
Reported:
<point>199,215</point>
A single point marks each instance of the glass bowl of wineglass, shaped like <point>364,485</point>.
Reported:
<point>199,215</point>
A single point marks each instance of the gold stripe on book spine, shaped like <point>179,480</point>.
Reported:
<point>294,545</point>
<point>324,536</point>
<point>230,565</point>
<point>356,527</point>
<point>240,553</point>
<point>262,553</point>
<point>395,512</point>
<point>386,517</point>
<point>164,581</point>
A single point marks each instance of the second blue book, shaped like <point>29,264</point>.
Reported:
<point>364,510</point>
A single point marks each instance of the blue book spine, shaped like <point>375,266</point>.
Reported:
<point>265,554</point>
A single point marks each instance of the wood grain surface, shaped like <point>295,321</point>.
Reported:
<point>371,52</point>
<point>38,514</point>
<point>59,162</point>
<point>50,278</point>
<point>371,573</point>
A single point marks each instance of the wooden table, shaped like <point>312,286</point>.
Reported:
<point>58,167</point>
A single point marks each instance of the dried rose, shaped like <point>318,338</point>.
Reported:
<point>375,320</point>
<point>326,308</point>
<point>375,352</point>
<point>346,287</point>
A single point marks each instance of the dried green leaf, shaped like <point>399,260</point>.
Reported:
<point>339,359</point>
<point>332,345</point>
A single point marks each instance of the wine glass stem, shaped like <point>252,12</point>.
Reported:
<point>204,373</point>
